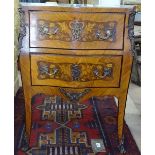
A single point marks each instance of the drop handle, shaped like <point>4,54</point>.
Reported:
<point>107,72</point>
<point>54,30</point>
<point>105,34</point>
<point>44,69</point>
<point>46,30</point>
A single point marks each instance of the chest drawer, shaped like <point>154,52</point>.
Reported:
<point>75,71</point>
<point>71,30</point>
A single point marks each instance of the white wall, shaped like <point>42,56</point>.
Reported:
<point>92,1</point>
<point>109,2</point>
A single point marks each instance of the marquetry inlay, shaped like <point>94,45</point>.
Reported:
<point>75,72</point>
<point>75,30</point>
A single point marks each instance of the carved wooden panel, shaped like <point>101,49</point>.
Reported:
<point>75,71</point>
<point>76,30</point>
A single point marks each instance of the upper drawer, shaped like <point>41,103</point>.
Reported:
<point>70,30</point>
<point>75,71</point>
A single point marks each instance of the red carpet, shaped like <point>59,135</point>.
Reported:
<point>66,128</point>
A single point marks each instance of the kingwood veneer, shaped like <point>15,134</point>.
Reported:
<point>76,53</point>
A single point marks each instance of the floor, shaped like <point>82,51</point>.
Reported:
<point>133,112</point>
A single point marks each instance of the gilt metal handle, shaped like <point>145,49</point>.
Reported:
<point>107,35</point>
<point>107,72</point>
<point>46,30</point>
<point>44,69</point>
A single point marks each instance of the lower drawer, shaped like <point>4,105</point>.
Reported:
<point>75,71</point>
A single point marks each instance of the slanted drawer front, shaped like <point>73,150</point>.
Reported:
<point>75,71</point>
<point>71,30</point>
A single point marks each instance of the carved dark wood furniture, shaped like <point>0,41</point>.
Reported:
<point>136,67</point>
<point>76,53</point>
<point>80,1</point>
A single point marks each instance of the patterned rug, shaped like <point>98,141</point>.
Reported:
<point>71,128</point>
<point>19,119</point>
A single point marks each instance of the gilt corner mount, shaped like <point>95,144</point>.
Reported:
<point>22,33</point>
